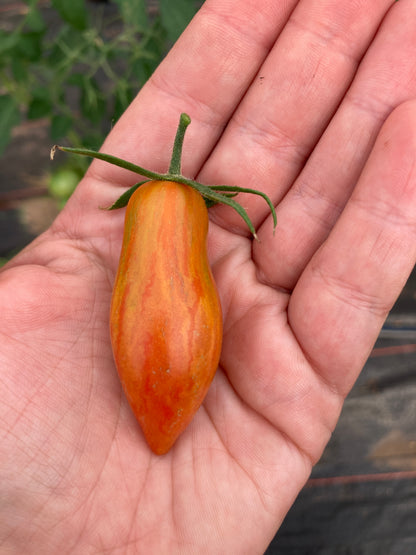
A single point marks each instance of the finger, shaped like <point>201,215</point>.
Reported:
<point>386,78</point>
<point>347,289</point>
<point>292,99</point>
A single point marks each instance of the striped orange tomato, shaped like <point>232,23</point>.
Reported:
<point>166,321</point>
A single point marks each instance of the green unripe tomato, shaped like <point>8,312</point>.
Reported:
<point>63,182</point>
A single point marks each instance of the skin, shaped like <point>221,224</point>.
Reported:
<point>311,101</point>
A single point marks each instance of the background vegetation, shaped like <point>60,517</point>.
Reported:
<point>80,63</point>
<point>68,68</point>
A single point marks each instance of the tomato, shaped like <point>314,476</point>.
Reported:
<point>165,317</point>
<point>166,320</point>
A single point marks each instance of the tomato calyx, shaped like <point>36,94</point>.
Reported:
<point>212,194</point>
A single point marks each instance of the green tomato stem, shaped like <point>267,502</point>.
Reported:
<point>213,194</point>
<point>175,162</point>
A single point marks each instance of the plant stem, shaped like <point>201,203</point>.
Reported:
<point>175,162</point>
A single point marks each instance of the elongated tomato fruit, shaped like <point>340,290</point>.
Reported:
<point>166,321</point>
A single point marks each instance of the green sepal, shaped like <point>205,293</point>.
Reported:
<point>212,195</point>
<point>209,202</point>
<point>123,201</point>
<point>107,158</point>
<point>249,191</point>
<point>224,199</point>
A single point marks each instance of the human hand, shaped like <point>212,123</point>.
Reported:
<point>302,106</point>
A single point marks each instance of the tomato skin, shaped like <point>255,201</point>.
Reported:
<point>165,321</point>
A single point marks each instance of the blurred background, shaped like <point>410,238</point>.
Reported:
<point>68,69</point>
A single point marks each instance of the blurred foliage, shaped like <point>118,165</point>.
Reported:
<point>79,63</point>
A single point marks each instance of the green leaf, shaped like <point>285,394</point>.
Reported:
<point>148,53</point>
<point>142,69</point>
<point>76,79</point>
<point>60,125</point>
<point>133,12</point>
<point>29,46</point>
<point>73,12</point>
<point>8,41</point>
<point>176,15</point>
<point>9,118</point>
<point>65,43</point>
<point>94,139</point>
<point>93,103</point>
<point>40,105</point>
<point>124,94</point>
<point>19,69</point>
<point>34,20</point>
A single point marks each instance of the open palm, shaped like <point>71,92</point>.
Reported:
<point>310,102</point>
